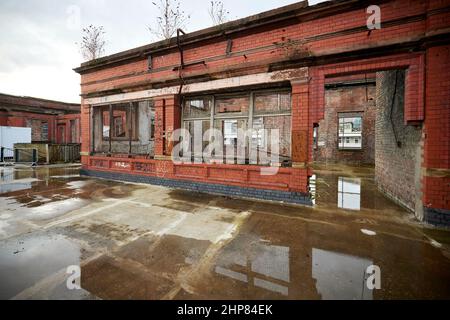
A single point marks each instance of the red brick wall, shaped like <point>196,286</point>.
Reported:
<point>65,120</point>
<point>436,183</point>
<point>24,119</point>
<point>397,167</point>
<point>253,50</point>
<point>286,179</point>
<point>269,44</point>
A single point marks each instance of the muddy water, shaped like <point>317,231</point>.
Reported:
<point>288,258</point>
<point>139,242</point>
<point>28,259</point>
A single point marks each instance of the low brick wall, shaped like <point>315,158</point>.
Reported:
<point>287,184</point>
<point>437,217</point>
<point>220,189</point>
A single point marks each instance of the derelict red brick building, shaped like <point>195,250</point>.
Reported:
<point>50,121</point>
<point>273,70</point>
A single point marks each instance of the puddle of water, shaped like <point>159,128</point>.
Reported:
<point>26,260</point>
<point>191,245</point>
<point>349,193</point>
<point>276,257</point>
<point>340,276</point>
<point>16,186</point>
<point>352,193</point>
<point>49,192</point>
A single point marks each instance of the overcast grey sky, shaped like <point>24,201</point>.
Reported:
<point>37,38</point>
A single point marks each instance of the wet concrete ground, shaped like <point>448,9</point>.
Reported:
<point>147,242</point>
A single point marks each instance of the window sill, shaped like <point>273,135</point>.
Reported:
<point>121,140</point>
<point>350,149</point>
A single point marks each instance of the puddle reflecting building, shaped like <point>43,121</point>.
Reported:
<point>349,193</point>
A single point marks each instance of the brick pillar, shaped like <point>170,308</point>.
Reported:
<point>300,123</point>
<point>300,135</point>
<point>159,127</point>
<point>167,119</point>
<point>436,162</point>
<point>85,132</point>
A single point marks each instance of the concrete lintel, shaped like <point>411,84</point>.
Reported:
<point>299,165</point>
<point>233,82</point>
<point>161,157</point>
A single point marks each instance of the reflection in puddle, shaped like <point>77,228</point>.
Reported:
<point>337,275</point>
<point>16,186</point>
<point>349,193</point>
<point>349,190</point>
<point>267,268</point>
<point>340,276</point>
<point>26,261</point>
<point>232,274</point>
<point>179,245</point>
<point>313,188</point>
<point>6,174</point>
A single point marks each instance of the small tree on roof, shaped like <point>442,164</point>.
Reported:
<point>92,44</point>
<point>171,17</point>
<point>217,12</point>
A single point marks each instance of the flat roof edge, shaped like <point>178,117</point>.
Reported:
<point>260,19</point>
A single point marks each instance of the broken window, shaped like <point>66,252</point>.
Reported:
<point>197,116</point>
<point>123,123</point>
<point>105,123</point>
<point>124,128</point>
<point>197,108</point>
<point>272,115</point>
<point>197,128</point>
<point>350,131</point>
<point>231,113</point>
<point>230,130</point>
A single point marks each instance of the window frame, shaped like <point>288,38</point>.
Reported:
<point>249,117</point>
<point>183,117</point>
<point>132,120</point>
<point>349,115</point>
